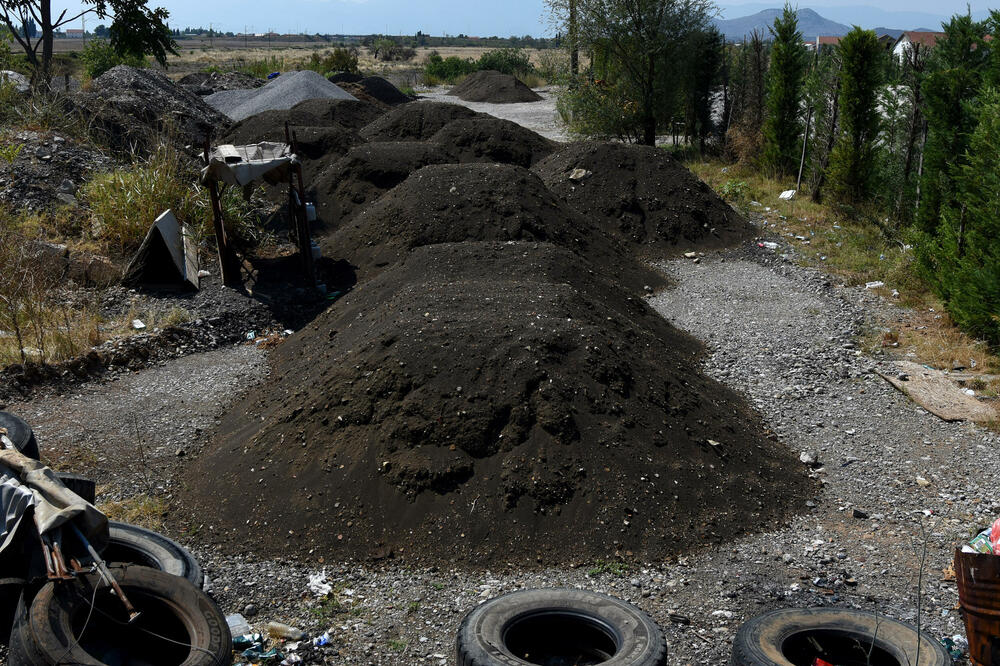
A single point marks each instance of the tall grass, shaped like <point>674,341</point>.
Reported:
<point>124,203</point>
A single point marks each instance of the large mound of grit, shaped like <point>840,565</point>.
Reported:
<point>495,388</point>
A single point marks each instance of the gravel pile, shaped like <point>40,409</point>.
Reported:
<point>281,93</point>
<point>19,81</point>
<point>495,88</point>
<point>135,108</point>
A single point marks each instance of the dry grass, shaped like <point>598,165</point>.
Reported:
<point>143,510</point>
<point>856,253</point>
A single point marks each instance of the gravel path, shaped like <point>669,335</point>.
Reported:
<point>540,117</point>
<point>782,335</point>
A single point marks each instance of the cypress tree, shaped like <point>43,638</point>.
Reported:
<point>782,128</point>
<point>852,164</point>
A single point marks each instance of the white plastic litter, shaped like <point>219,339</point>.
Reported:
<point>318,584</point>
<point>787,195</point>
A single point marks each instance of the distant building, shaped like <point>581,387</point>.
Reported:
<point>887,41</point>
<point>922,41</point>
<point>75,34</point>
<point>827,40</point>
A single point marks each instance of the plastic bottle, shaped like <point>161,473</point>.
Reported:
<point>280,630</point>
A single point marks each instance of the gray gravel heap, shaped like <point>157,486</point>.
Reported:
<point>280,94</point>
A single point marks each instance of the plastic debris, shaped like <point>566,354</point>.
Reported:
<point>256,655</point>
<point>138,324</point>
<point>320,641</point>
<point>282,630</point>
<point>318,584</point>
<point>956,645</point>
<point>580,174</point>
<point>787,195</point>
<point>874,285</point>
<point>244,641</point>
<point>238,625</point>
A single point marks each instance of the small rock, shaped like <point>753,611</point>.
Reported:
<point>580,174</point>
<point>250,610</point>
<point>859,514</point>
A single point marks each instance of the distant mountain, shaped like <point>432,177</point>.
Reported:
<point>867,16</point>
<point>892,32</point>
<point>811,25</point>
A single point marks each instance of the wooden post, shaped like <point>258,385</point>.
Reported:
<point>805,142</point>
<point>227,262</point>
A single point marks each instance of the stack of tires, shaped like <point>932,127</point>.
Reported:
<point>82,621</point>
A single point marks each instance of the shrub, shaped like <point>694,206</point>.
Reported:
<point>100,56</point>
<point>553,65</point>
<point>337,60</point>
<point>447,70</point>
<point>125,202</point>
<point>600,110</point>
<point>507,61</point>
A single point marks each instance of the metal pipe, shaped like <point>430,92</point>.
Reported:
<point>133,614</point>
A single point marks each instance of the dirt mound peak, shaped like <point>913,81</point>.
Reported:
<point>487,403</point>
<point>367,171</point>
<point>415,122</point>
<point>489,139</point>
<point>207,83</point>
<point>350,113</point>
<point>644,196</point>
<point>494,87</point>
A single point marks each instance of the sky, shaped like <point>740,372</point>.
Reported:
<point>476,17</point>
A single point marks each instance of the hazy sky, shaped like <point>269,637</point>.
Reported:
<point>437,17</point>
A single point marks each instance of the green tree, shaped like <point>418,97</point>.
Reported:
<point>852,164</point>
<point>955,74</point>
<point>639,44</point>
<point>782,128</point>
<point>136,30</point>
<point>98,57</point>
<point>965,255</point>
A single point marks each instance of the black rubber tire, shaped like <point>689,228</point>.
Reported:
<point>564,619</point>
<point>20,434</point>
<point>128,544</point>
<point>10,595</point>
<point>79,484</point>
<point>47,632</point>
<point>763,640</point>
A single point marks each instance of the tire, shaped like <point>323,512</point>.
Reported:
<point>10,595</point>
<point>20,434</point>
<point>79,484</point>
<point>785,637</point>
<point>559,626</point>
<point>56,628</point>
<point>128,544</point>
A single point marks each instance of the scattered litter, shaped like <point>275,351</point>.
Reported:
<point>787,195</point>
<point>921,481</point>
<point>769,245</point>
<point>580,174</point>
<point>244,641</point>
<point>256,655</point>
<point>238,625</point>
<point>320,641</point>
<point>874,285</point>
<point>690,255</point>
<point>318,584</point>
<point>138,324</point>
<point>284,631</point>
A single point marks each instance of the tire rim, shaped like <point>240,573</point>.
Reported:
<point>561,638</point>
<point>110,638</point>
<point>837,646</point>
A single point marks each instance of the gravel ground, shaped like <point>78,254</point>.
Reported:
<point>785,337</point>
<point>540,117</point>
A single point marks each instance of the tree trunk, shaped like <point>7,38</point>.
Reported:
<point>574,54</point>
<point>45,7</point>
<point>817,192</point>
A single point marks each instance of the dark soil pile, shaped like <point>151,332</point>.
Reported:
<point>345,77</point>
<point>643,195</point>
<point>359,92</point>
<point>318,147</point>
<point>352,114</point>
<point>365,173</point>
<point>474,202</point>
<point>490,403</point>
<point>415,122</point>
<point>384,91</point>
<point>495,88</point>
<point>489,139</point>
<point>48,170</point>
<point>207,83</point>
<point>135,107</point>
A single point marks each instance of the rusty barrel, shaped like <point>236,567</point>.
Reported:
<point>978,579</point>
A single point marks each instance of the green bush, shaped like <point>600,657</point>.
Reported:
<point>125,202</point>
<point>507,61</point>
<point>447,70</point>
<point>99,57</point>
<point>338,60</point>
<point>599,110</point>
